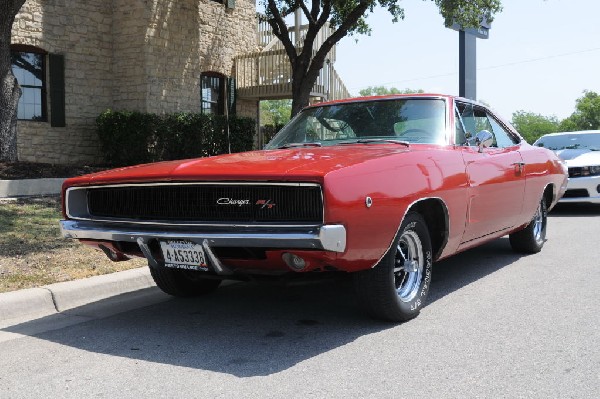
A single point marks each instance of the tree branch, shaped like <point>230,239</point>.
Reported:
<point>307,13</point>
<point>341,31</point>
<point>313,29</point>
<point>280,30</point>
<point>316,7</point>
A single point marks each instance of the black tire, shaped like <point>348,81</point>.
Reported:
<point>531,239</point>
<point>390,291</point>
<point>182,283</point>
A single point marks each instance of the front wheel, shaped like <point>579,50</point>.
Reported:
<point>396,288</point>
<point>531,239</point>
<point>182,283</point>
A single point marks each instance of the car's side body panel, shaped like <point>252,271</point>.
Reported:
<point>496,190</point>
<point>393,185</point>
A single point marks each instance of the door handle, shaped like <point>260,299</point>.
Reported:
<point>521,165</point>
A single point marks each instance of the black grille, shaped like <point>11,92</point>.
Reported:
<point>576,193</point>
<point>208,203</point>
<point>575,172</point>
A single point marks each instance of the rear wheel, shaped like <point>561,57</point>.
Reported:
<point>531,239</point>
<point>182,283</point>
<point>396,288</point>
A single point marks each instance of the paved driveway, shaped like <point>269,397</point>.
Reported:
<point>497,325</point>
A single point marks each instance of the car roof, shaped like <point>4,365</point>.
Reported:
<point>392,97</point>
<point>576,132</point>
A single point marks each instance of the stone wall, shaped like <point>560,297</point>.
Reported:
<point>128,62</point>
<point>142,55</point>
<point>81,31</point>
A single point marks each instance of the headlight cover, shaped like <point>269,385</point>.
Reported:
<point>594,170</point>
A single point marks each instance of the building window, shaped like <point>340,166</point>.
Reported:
<point>213,93</point>
<point>227,3</point>
<point>29,67</point>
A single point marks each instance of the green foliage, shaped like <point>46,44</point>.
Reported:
<point>129,138</point>
<point>586,115</point>
<point>275,112</point>
<point>382,90</point>
<point>468,13</point>
<point>342,10</point>
<point>532,126</point>
<point>269,131</point>
<point>464,12</point>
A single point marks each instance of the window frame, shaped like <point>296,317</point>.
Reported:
<point>220,102</point>
<point>23,48</point>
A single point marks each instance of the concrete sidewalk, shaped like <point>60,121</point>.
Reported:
<point>55,298</point>
<point>30,187</point>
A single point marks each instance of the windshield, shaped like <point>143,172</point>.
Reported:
<point>396,120</point>
<point>588,141</point>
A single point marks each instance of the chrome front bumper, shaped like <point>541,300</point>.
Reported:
<point>324,237</point>
<point>589,184</point>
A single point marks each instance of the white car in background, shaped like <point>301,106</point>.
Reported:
<point>581,153</point>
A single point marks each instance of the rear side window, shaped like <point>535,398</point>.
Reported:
<point>503,138</point>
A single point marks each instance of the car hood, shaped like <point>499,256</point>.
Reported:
<point>301,164</point>
<point>579,157</point>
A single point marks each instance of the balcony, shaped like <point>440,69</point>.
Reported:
<point>266,74</point>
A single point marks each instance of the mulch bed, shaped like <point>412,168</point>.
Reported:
<point>32,170</point>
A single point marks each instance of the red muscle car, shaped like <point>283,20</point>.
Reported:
<point>380,187</point>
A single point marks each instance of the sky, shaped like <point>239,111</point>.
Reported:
<point>540,56</point>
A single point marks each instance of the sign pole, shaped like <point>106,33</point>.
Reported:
<point>467,49</point>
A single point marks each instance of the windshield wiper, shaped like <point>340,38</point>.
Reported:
<point>294,145</point>
<point>367,141</point>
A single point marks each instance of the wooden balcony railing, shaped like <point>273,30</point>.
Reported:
<point>267,74</point>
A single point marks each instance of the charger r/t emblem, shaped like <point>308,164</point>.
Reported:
<point>265,204</point>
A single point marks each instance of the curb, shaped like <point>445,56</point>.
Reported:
<point>30,187</point>
<point>55,298</point>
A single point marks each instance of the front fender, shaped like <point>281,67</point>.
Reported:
<point>393,184</point>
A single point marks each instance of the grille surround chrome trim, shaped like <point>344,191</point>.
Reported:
<point>85,215</point>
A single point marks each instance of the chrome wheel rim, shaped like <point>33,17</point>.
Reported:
<point>538,224</point>
<point>408,267</point>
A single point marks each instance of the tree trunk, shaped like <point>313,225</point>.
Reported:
<point>10,92</point>
<point>300,89</point>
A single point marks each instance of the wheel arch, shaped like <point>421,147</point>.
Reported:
<point>435,213</point>
<point>549,195</point>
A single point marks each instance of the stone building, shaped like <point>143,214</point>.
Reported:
<point>74,59</point>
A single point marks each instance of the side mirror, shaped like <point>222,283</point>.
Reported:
<point>483,139</point>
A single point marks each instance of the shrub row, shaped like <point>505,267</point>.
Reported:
<point>129,138</point>
<point>269,131</point>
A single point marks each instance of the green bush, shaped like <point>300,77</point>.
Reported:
<point>269,131</point>
<point>129,138</point>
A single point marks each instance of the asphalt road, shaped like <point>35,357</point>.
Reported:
<point>497,325</point>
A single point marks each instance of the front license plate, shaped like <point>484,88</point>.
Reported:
<point>181,254</point>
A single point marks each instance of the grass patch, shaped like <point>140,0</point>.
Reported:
<point>33,253</point>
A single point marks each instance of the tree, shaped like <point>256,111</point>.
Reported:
<point>586,115</point>
<point>382,90</point>
<point>275,112</point>
<point>532,126</point>
<point>9,87</point>
<point>348,17</point>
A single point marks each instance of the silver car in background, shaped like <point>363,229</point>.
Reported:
<point>581,152</point>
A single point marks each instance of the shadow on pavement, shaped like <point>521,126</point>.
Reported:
<point>575,210</point>
<point>247,329</point>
